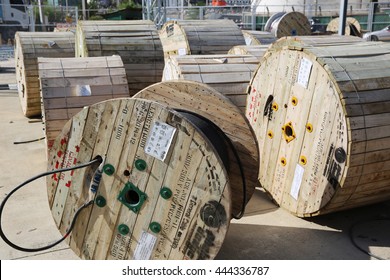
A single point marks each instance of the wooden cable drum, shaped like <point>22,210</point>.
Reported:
<point>164,192</point>
<point>352,26</point>
<point>299,42</point>
<point>28,47</point>
<point>202,100</point>
<point>254,37</point>
<point>69,84</point>
<point>228,74</point>
<point>137,42</point>
<point>254,50</point>
<point>288,24</point>
<point>200,37</point>
<point>321,119</point>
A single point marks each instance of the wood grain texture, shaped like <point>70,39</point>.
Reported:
<point>254,37</point>
<point>228,74</point>
<point>193,220</point>
<point>137,42</point>
<point>28,47</point>
<point>199,37</point>
<point>69,84</point>
<point>290,24</point>
<point>208,103</point>
<point>320,115</point>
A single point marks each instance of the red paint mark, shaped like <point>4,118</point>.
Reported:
<point>59,153</point>
<point>74,160</point>
<point>68,184</point>
<point>63,141</point>
<point>77,148</point>
<point>54,177</point>
<point>253,90</point>
<point>71,173</point>
<point>255,120</point>
<point>57,165</point>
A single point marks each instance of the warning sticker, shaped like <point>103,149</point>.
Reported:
<point>145,246</point>
<point>160,140</point>
<point>297,181</point>
<point>304,72</point>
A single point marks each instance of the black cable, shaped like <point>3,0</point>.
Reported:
<point>209,128</point>
<point>351,230</point>
<point>28,141</point>
<point>3,203</point>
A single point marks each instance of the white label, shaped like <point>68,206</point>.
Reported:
<point>159,140</point>
<point>83,90</point>
<point>248,41</point>
<point>145,246</point>
<point>304,72</point>
<point>182,51</point>
<point>297,181</point>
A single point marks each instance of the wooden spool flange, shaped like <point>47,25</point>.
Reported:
<point>203,100</point>
<point>255,50</point>
<point>200,37</point>
<point>352,26</point>
<point>321,116</point>
<point>164,192</point>
<point>228,74</point>
<point>69,84</point>
<point>288,24</point>
<point>28,47</point>
<point>137,42</point>
<point>254,37</point>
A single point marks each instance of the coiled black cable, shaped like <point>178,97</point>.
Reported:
<point>86,204</point>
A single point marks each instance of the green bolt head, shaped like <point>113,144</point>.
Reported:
<point>140,164</point>
<point>109,169</point>
<point>155,227</point>
<point>100,201</point>
<point>165,193</point>
<point>123,229</point>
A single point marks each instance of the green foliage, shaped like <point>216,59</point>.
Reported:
<point>129,4</point>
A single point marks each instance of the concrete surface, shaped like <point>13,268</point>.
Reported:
<point>266,232</point>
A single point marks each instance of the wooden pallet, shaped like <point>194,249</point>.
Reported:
<point>254,37</point>
<point>228,74</point>
<point>321,117</point>
<point>137,42</point>
<point>164,192</point>
<point>206,102</point>
<point>198,37</point>
<point>69,84</point>
<point>28,47</point>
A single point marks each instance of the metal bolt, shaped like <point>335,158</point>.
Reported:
<point>123,229</point>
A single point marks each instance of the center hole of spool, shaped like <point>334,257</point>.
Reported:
<point>132,197</point>
<point>288,132</point>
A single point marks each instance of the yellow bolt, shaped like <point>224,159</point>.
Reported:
<point>275,106</point>
<point>270,134</point>
<point>309,127</point>
<point>294,101</point>
<point>283,161</point>
<point>303,160</point>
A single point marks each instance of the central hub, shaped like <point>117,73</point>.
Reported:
<point>288,132</point>
<point>132,197</point>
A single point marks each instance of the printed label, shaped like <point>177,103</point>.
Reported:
<point>160,140</point>
<point>83,90</point>
<point>145,246</point>
<point>296,184</point>
<point>304,72</point>
<point>182,51</point>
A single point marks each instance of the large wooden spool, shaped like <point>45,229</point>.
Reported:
<point>228,74</point>
<point>137,42</point>
<point>208,103</point>
<point>321,119</point>
<point>69,84</point>
<point>352,26</point>
<point>254,50</point>
<point>288,24</point>
<point>28,47</point>
<point>200,37</point>
<point>254,37</point>
<point>164,192</point>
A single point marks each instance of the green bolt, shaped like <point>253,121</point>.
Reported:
<point>140,164</point>
<point>123,229</point>
<point>155,227</point>
<point>100,201</point>
<point>165,193</point>
<point>109,169</point>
